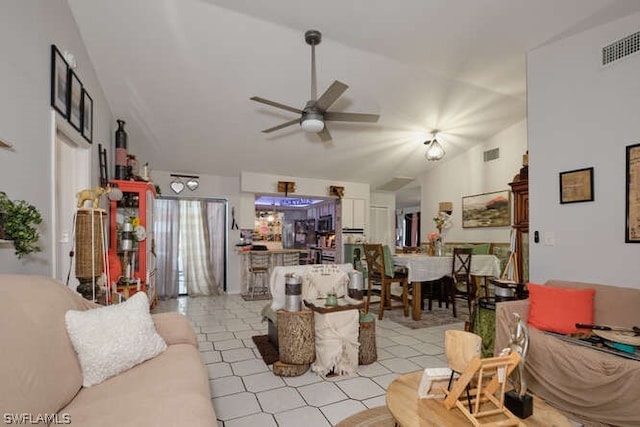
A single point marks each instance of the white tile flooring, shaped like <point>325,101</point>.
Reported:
<point>246,393</point>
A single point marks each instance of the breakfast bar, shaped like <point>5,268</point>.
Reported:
<point>276,259</point>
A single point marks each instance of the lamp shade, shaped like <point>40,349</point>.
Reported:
<point>312,125</point>
<point>434,150</point>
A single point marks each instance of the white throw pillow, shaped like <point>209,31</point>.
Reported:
<point>110,340</point>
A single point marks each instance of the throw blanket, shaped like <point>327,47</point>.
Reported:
<point>277,280</point>
<point>336,343</point>
<point>324,279</point>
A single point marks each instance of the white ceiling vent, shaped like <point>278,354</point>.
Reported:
<point>621,48</point>
<point>492,154</point>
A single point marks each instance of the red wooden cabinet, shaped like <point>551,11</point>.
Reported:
<point>139,263</point>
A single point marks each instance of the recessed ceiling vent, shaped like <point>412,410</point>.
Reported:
<point>492,154</point>
<point>621,48</point>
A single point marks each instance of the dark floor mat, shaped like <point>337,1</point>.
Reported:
<point>265,347</point>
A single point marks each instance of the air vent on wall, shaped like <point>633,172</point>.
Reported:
<point>621,48</point>
<point>492,154</point>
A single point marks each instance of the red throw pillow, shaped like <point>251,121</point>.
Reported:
<point>559,309</point>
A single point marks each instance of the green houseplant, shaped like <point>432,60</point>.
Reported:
<point>18,220</point>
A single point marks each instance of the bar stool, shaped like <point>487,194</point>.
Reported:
<point>259,270</point>
<point>291,258</point>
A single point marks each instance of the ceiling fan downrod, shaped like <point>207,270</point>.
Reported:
<point>313,38</point>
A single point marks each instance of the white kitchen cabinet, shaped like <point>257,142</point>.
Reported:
<point>354,213</point>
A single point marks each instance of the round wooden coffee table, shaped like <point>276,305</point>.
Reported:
<point>409,410</point>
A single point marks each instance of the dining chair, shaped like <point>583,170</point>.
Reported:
<point>381,275</point>
<point>461,284</point>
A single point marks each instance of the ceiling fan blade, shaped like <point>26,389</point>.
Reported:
<point>283,125</point>
<point>350,117</point>
<point>276,104</point>
<point>330,95</point>
<point>324,134</point>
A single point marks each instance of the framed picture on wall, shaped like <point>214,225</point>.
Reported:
<point>87,116</point>
<point>632,202</point>
<point>576,186</point>
<point>75,101</point>
<point>487,210</point>
<point>59,82</point>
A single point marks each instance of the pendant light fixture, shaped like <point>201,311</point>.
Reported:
<point>434,149</point>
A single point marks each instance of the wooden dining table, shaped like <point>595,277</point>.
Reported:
<point>424,268</point>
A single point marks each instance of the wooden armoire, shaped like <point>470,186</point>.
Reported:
<point>520,190</point>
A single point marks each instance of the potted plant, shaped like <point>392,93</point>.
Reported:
<point>18,220</point>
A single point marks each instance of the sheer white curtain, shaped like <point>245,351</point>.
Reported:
<point>194,249</point>
<point>167,221</point>
<point>191,246</point>
<point>215,224</point>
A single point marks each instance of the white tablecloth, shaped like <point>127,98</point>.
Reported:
<point>422,268</point>
<point>277,280</point>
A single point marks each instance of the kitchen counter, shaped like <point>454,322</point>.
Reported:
<point>275,260</point>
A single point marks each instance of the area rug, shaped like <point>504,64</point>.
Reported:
<point>436,317</point>
<point>374,417</point>
<point>267,350</point>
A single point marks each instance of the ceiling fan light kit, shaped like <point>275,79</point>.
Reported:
<point>314,115</point>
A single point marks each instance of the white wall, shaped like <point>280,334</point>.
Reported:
<point>581,115</point>
<point>468,174</point>
<point>27,30</point>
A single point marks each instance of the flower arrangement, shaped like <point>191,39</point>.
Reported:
<point>433,237</point>
<point>442,221</point>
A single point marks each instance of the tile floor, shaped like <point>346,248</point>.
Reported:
<point>246,393</point>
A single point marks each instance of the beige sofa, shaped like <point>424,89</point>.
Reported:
<point>41,378</point>
<point>588,385</point>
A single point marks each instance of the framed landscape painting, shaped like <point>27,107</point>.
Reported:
<point>487,210</point>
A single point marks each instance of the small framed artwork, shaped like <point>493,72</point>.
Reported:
<point>87,116</point>
<point>75,101</point>
<point>487,210</point>
<point>576,186</point>
<point>632,232</point>
<point>59,82</point>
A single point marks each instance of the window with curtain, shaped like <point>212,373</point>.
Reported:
<point>191,246</point>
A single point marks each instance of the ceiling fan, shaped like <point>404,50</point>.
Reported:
<point>314,115</point>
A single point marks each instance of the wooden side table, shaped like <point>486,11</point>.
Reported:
<point>409,410</point>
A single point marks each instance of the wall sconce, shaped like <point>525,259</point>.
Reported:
<point>434,149</point>
<point>446,207</point>
<point>335,190</point>
<point>286,187</point>
<point>177,185</point>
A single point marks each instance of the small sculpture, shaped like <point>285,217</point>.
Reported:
<point>519,344</point>
<point>93,195</point>
<point>517,400</point>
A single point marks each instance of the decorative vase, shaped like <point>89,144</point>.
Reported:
<point>431,249</point>
<point>121,151</point>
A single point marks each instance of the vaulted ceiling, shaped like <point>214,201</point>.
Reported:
<point>181,72</point>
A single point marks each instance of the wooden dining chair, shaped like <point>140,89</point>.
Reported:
<point>461,284</point>
<point>380,278</point>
